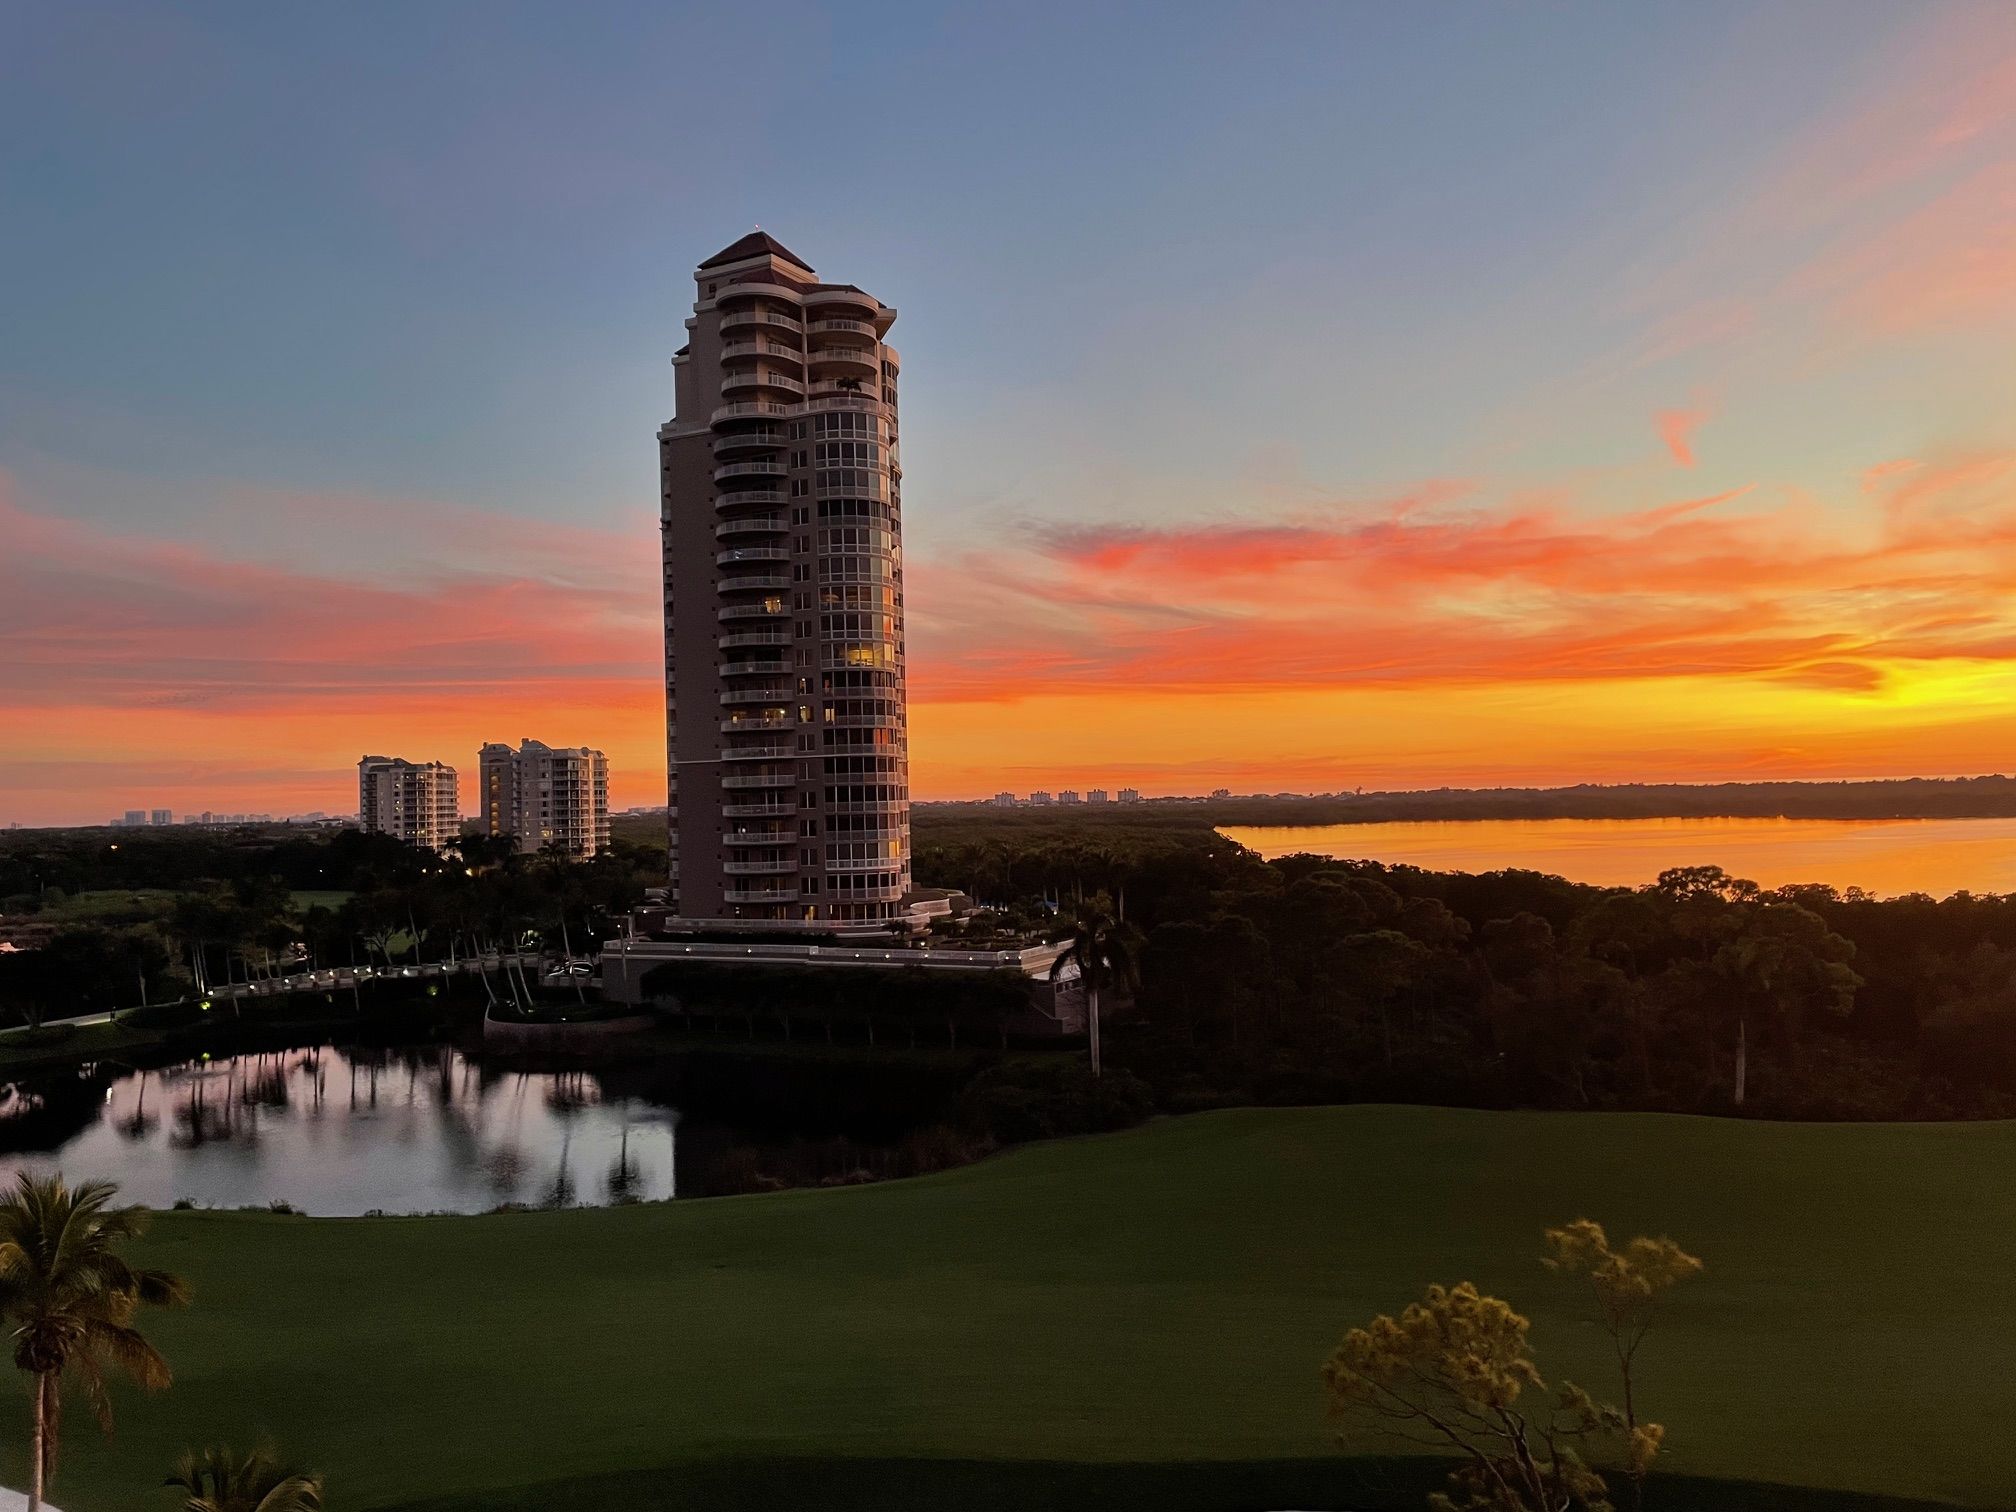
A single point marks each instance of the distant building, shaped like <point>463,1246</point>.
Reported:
<point>161,816</point>
<point>545,795</point>
<point>135,818</point>
<point>1067,796</point>
<point>1130,795</point>
<point>1004,800</point>
<point>1039,799</point>
<point>414,801</point>
<point>1097,795</point>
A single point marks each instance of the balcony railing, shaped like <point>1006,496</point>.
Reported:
<point>776,866</point>
<point>781,722</point>
<point>760,780</point>
<point>738,497</point>
<point>777,696</point>
<point>758,810</point>
<point>742,409</point>
<point>761,378</point>
<point>768,666</point>
<point>739,440</point>
<point>752,554</point>
<point>753,638</point>
<point>759,290</point>
<point>730,319</point>
<point>768,839</point>
<point>751,895</point>
<point>771,752</point>
<point>841,325</point>
<point>763,524</point>
<point>762,580</point>
<point>769,468</point>
<point>771,610</point>
<point>761,348</point>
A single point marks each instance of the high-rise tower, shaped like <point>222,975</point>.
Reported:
<point>790,790</point>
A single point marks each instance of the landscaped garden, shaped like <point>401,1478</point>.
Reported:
<point>1132,1320</point>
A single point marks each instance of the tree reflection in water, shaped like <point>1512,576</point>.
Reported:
<point>262,1127</point>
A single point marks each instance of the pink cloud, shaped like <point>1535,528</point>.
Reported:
<point>1676,429</point>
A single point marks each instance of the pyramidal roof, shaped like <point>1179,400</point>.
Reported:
<point>755,244</point>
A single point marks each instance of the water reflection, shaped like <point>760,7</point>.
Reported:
<point>338,1130</point>
<point>1883,856</point>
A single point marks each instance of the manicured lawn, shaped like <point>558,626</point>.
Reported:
<point>1150,1298</point>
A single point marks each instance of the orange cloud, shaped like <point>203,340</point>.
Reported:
<point>1676,429</point>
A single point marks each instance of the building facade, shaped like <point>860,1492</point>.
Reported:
<point>789,790</point>
<point>543,795</point>
<point>415,801</point>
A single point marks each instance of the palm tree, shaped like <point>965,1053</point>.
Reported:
<point>70,1296</point>
<point>1102,948</point>
<point>221,1481</point>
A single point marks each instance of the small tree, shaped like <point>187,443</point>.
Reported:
<point>1628,1284</point>
<point>219,1480</point>
<point>1455,1373</point>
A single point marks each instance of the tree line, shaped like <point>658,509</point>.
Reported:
<point>1310,979</point>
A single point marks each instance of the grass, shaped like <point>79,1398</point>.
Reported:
<point>1129,1321</point>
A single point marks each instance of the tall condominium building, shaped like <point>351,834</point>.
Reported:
<point>790,789</point>
<point>543,795</point>
<point>415,800</point>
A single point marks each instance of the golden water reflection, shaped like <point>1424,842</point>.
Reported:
<point>1883,856</point>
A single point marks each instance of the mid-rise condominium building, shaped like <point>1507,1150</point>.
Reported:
<point>416,801</point>
<point>543,795</point>
<point>782,511</point>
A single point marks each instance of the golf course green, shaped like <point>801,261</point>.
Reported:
<point>1134,1319</point>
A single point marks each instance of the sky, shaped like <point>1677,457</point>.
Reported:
<point>1297,397</point>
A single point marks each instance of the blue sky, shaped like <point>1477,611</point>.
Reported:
<point>1190,265</point>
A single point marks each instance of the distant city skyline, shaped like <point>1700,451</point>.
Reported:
<point>1304,399</point>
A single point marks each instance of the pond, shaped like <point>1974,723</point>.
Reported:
<point>1883,856</point>
<point>330,1130</point>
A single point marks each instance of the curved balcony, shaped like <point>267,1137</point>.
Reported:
<point>758,347</point>
<point>740,726</point>
<point>860,359</point>
<point>751,554</point>
<point>863,401</point>
<point>767,666</point>
<point>773,866</point>
<point>894,808</point>
<point>822,388</point>
<point>771,752</point>
<point>774,609</point>
<point>837,325</point>
<point>818,302</point>
<point>761,583</point>
<point>758,810</point>
<point>761,320</point>
<point>867,722</point>
<point>762,467</point>
<point>750,409</point>
<point>740,496</point>
<point>752,895</point>
<point>758,288</point>
<point>754,839</point>
<point>760,780</point>
<point>732,441</point>
<point>753,638</point>
<point>760,378</point>
<point>765,524</point>
<point>776,698</point>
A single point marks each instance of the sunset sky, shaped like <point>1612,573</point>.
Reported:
<point>1296,397</point>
